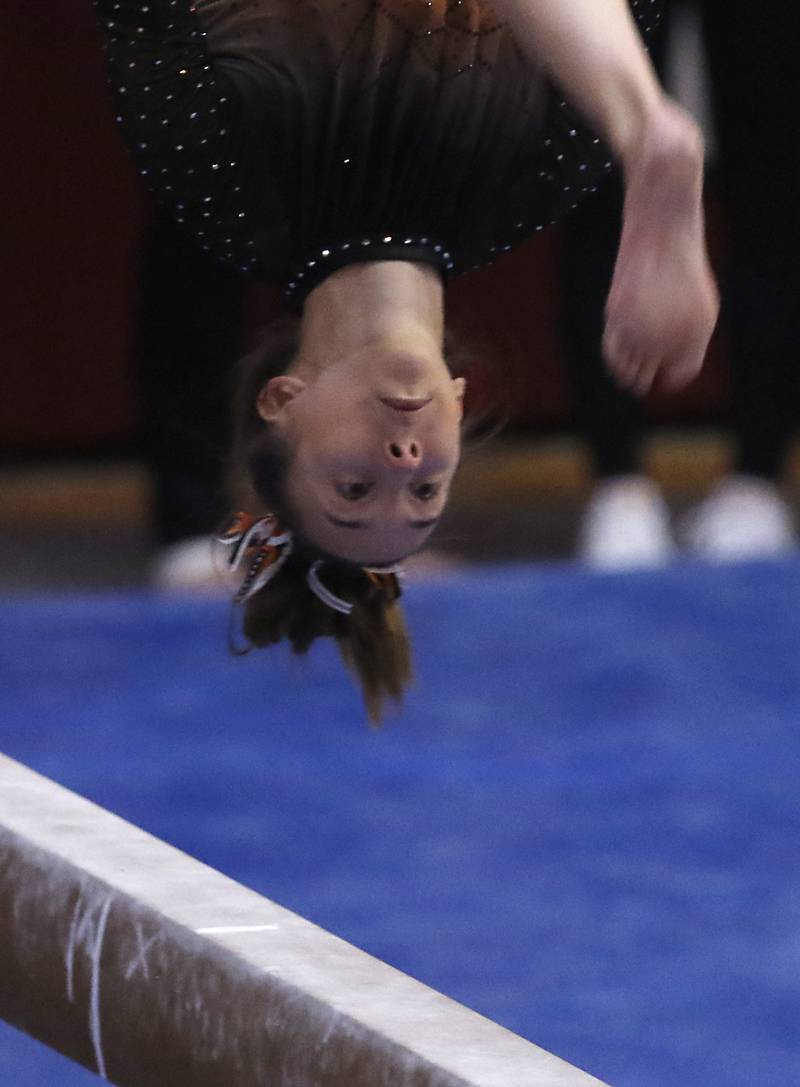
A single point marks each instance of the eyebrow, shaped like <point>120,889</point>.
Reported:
<point>363,524</point>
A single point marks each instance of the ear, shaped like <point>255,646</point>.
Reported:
<point>276,394</point>
<point>460,387</point>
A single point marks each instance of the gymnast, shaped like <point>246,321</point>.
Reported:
<point>362,153</point>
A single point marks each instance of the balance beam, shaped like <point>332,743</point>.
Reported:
<point>154,970</point>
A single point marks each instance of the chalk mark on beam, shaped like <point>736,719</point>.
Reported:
<point>226,930</point>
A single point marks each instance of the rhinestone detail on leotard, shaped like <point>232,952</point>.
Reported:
<point>189,121</point>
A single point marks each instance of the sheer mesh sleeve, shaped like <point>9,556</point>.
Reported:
<point>180,115</point>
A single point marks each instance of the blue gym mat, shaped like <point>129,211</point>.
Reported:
<point>585,823</point>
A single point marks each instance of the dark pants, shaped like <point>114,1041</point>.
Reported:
<point>752,57</point>
<point>189,331</point>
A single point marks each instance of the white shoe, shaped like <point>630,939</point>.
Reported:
<point>626,526</point>
<point>744,517</point>
<point>190,566</point>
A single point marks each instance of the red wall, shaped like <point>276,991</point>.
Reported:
<point>71,210</point>
<point>72,218</point>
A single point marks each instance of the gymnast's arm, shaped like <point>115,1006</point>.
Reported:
<point>663,302</point>
<point>594,52</point>
<point>149,42</point>
<point>174,104</point>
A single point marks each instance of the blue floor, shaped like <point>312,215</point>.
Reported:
<point>585,824</point>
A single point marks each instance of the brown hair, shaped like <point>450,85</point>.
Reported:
<point>372,639</point>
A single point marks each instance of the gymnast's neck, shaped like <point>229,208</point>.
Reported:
<point>394,307</point>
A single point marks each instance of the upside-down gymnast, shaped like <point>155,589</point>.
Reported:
<point>363,152</point>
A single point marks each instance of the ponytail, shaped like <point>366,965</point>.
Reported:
<point>372,639</point>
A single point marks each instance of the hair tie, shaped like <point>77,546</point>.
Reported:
<point>324,594</point>
<point>259,547</point>
<point>387,580</point>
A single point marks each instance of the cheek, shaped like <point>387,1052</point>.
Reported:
<point>444,440</point>
<point>330,414</point>
<point>332,394</point>
<point>327,448</point>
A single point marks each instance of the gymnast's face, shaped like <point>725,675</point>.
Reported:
<point>375,443</point>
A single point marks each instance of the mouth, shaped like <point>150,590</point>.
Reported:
<point>403,403</point>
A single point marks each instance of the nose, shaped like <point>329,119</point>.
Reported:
<point>405,453</point>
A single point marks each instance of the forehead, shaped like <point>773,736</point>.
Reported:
<point>379,545</point>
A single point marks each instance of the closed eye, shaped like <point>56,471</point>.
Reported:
<point>426,491</point>
<point>353,492</point>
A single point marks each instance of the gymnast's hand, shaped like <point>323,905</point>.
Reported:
<point>663,303</point>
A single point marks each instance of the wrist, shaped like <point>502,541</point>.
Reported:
<point>627,111</point>
<point>663,131</point>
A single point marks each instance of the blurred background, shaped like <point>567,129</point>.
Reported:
<point>88,269</point>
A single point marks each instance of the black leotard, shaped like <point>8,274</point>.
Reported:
<point>295,136</point>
